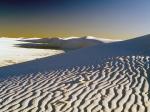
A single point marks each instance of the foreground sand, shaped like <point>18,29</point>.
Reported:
<point>94,79</point>
<point>119,84</point>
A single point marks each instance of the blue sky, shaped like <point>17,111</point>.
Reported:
<point>101,18</point>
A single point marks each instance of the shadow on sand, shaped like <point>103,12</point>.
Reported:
<point>59,43</point>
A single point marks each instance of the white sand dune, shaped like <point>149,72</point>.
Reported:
<point>112,77</point>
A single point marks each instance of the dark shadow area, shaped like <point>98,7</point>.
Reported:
<point>59,43</point>
<point>38,46</point>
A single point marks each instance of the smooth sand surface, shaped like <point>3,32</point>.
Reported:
<point>103,78</point>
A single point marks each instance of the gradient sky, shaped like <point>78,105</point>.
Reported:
<point>101,18</point>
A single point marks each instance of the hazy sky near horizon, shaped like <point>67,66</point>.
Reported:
<point>101,18</point>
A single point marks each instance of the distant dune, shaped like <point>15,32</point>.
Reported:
<point>17,50</point>
<point>10,53</point>
<point>108,76</point>
<point>65,43</point>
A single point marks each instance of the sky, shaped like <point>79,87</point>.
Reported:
<point>51,18</point>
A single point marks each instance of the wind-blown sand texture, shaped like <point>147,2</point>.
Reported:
<point>93,81</point>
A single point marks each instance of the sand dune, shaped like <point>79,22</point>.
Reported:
<point>104,78</point>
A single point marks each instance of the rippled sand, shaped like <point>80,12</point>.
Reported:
<point>110,78</point>
<point>118,84</point>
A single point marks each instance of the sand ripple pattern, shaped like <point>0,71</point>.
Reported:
<point>120,84</point>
